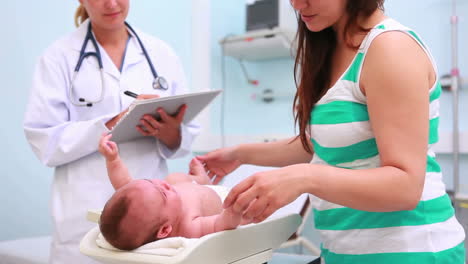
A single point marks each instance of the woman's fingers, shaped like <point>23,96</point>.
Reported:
<point>217,179</point>
<point>149,126</point>
<point>239,189</point>
<point>178,118</point>
<point>163,115</point>
<point>142,131</point>
<point>211,174</point>
<point>244,200</point>
<point>265,214</point>
<point>181,113</point>
<point>260,195</point>
<point>150,123</point>
<point>256,208</point>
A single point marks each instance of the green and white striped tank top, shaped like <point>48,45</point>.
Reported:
<point>342,137</point>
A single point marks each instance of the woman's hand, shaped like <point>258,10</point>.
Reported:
<point>166,128</point>
<point>108,148</point>
<point>261,194</point>
<point>220,162</point>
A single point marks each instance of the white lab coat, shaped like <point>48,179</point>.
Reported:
<point>66,137</point>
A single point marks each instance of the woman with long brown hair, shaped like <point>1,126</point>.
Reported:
<point>367,108</point>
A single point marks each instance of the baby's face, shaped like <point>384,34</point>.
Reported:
<point>156,198</point>
<point>151,202</point>
<point>161,192</point>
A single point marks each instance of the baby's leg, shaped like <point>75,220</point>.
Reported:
<point>198,173</point>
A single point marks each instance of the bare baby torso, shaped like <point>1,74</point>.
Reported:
<point>198,200</point>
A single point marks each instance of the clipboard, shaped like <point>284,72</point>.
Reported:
<point>125,129</point>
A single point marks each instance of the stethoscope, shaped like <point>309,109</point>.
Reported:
<point>158,83</point>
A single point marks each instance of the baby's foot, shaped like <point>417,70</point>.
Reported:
<point>197,169</point>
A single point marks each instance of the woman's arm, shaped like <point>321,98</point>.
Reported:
<point>397,76</point>
<point>273,154</point>
<point>221,162</point>
<point>55,139</point>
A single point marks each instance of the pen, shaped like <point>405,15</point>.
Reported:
<point>131,94</point>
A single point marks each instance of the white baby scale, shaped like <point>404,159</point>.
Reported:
<point>250,244</point>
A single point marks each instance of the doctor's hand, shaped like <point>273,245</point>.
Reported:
<point>166,128</point>
<point>108,148</point>
<point>261,194</point>
<point>220,162</point>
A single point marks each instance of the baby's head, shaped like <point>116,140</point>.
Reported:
<point>140,212</point>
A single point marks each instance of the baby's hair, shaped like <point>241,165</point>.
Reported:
<point>115,210</point>
<point>111,218</point>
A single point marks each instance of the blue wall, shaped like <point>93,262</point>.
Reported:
<point>243,114</point>
<point>30,26</point>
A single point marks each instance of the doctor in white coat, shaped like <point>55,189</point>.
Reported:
<point>63,123</point>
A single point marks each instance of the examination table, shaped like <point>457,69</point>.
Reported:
<point>250,244</point>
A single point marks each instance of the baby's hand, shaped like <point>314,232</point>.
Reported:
<point>198,171</point>
<point>196,168</point>
<point>108,148</point>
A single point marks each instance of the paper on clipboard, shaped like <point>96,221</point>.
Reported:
<point>125,129</point>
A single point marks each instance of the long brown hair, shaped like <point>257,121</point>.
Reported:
<point>80,15</point>
<point>312,67</point>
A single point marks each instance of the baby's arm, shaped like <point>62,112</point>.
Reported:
<point>116,169</point>
<point>226,220</point>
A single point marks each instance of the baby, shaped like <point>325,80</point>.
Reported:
<point>143,211</point>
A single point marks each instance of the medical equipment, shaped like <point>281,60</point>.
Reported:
<point>269,14</point>
<point>271,26</point>
<point>259,45</point>
<point>36,251</point>
<point>159,82</point>
<point>269,95</point>
<point>246,75</point>
<point>251,244</point>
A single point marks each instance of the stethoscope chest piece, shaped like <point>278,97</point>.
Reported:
<point>160,83</point>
